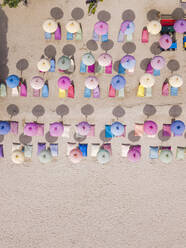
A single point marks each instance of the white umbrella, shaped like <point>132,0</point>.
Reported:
<point>73,27</point>
<point>147,80</point>
<point>18,157</point>
<point>176,81</point>
<point>43,65</point>
<point>154,27</point>
<point>50,26</point>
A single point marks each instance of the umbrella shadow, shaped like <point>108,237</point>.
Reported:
<point>50,51</point>
<point>144,63</point>
<point>24,139</point>
<point>129,47</point>
<point>38,111</point>
<point>128,15</point>
<point>173,65</point>
<point>49,138</point>
<point>118,112</point>
<point>108,45</point>
<point>62,110</point>
<point>155,48</point>
<point>87,110</point>
<point>12,110</point>
<point>56,13</point>
<point>102,136</point>
<point>153,14</point>
<point>175,111</point>
<point>163,137</point>
<point>22,65</point>
<point>149,110</point>
<point>104,16</point>
<point>116,65</point>
<point>69,50</point>
<point>92,45</point>
<point>77,13</point>
<point>178,14</point>
<point>1,138</point>
<point>132,137</point>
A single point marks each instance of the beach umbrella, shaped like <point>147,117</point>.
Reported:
<point>128,62</point>
<point>165,156</point>
<point>176,81</point>
<point>130,28</point>
<point>154,27</point>
<point>88,59</point>
<point>157,62</point>
<point>75,155</point>
<point>117,128</point>
<point>150,127</point>
<point>64,82</point>
<point>4,127</point>
<point>43,65</point>
<point>56,129</point>
<point>103,156</point>
<point>17,157</point>
<point>104,59</point>
<point>37,82</point>
<point>118,82</point>
<point>64,63</point>
<point>101,28</point>
<point>177,127</point>
<point>125,25</point>
<point>50,26</point>
<point>133,155</point>
<point>12,81</point>
<point>45,156</point>
<point>91,82</point>
<point>83,128</point>
<point>147,80</point>
<point>180,26</point>
<point>72,27</point>
<point>165,41</point>
<point>30,129</point>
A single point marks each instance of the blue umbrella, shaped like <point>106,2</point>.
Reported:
<point>130,28</point>
<point>128,62</point>
<point>4,127</point>
<point>12,81</point>
<point>178,128</point>
<point>117,128</point>
<point>118,82</point>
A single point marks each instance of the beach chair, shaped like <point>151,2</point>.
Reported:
<point>14,125</point>
<point>54,150</point>
<point>71,91</point>
<point>70,147</point>
<point>96,92</point>
<point>154,152</point>
<point>156,72</point>
<point>165,89</point>
<point>139,130</point>
<point>145,35</point>
<point>1,151</point>
<point>23,90</point>
<point>166,130</point>
<point>70,36</point>
<point>141,91</point>
<point>83,149</point>
<point>124,150</point>
<point>87,92</point>
<point>52,65</point>
<point>180,153</point>
<point>3,91</point>
<point>28,149</point>
<point>45,91</point>
<point>108,133</point>
<point>66,132</point>
<point>94,149</point>
<point>41,147</point>
<point>184,41</point>
<point>57,34</point>
<point>112,91</point>
<point>173,91</point>
<point>121,70</point>
<point>48,36</point>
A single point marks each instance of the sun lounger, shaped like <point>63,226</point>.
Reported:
<point>166,130</point>
<point>78,35</point>
<point>40,130</point>
<point>83,149</point>
<point>180,153</point>
<point>28,149</point>
<point>107,147</point>
<point>129,37</point>
<point>145,36</point>
<point>124,150</point>
<point>3,92</point>
<point>41,147</point>
<point>1,151</point>
<point>173,91</point>
<point>92,131</point>
<point>83,68</point>
<point>62,93</point>
<point>149,69</point>
<point>112,91</point>
<point>66,132</point>
<point>139,130</point>
<point>54,150</point>
<point>70,147</point>
<point>108,133</point>
<point>104,37</point>
<point>148,92</point>
<point>121,92</point>
<point>36,93</point>
<point>156,73</point>
<point>23,90</point>
<point>16,146</point>
<point>154,152</point>
<point>87,92</point>
<point>45,91</point>
<point>165,89</point>
<point>71,91</point>
<point>141,91</point>
<point>108,69</point>
<point>96,92</point>
<point>48,36</point>
<point>121,70</point>
<point>14,127</point>
<point>184,41</point>
<point>91,68</point>
<point>15,91</point>
<point>52,65</point>
<point>121,36</point>
<point>95,36</point>
<point>57,34</point>
<point>70,36</point>
<point>94,149</point>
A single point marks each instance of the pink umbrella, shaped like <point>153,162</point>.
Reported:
<point>30,129</point>
<point>125,25</point>
<point>180,26</point>
<point>104,59</point>
<point>133,155</point>
<point>158,62</point>
<point>165,41</point>
<point>101,28</point>
<point>64,82</point>
<point>91,82</point>
<point>56,129</point>
<point>83,128</point>
<point>75,155</point>
<point>150,127</point>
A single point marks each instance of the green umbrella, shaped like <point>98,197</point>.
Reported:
<point>103,156</point>
<point>63,63</point>
<point>88,59</point>
<point>165,156</point>
<point>45,156</point>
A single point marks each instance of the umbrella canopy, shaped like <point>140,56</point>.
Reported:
<point>12,81</point>
<point>117,128</point>
<point>88,59</point>
<point>176,81</point>
<point>133,155</point>
<point>4,127</point>
<point>64,63</point>
<point>103,156</point>
<point>147,80</point>
<point>64,83</point>
<point>128,62</point>
<point>83,128</point>
<point>180,26</point>
<point>45,156</point>
<point>18,157</point>
<point>30,129</point>
<point>91,82</point>
<point>165,41</point>
<point>154,27</point>
<point>130,28</point>
<point>50,26</point>
<point>56,129</point>
<point>75,155</point>
<point>177,128</point>
<point>101,28</point>
<point>165,156</point>
<point>104,59</point>
<point>157,62</point>
<point>43,65</point>
<point>118,82</point>
<point>150,127</point>
<point>125,25</point>
<point>37,82</point>
<point>73,27</point>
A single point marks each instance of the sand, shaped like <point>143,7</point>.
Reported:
<point>89,205</point>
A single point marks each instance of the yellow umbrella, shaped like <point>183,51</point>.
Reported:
<point>73,27</point>
<point>50,26</point>
<point>154,27</point>
<point>176,81</point>
<point>43,65</point>
<point>147,80</point>
<point>18,157</point>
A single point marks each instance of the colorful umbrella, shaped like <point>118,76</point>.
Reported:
<point>103,156</point>
<point>128,62</point>
<point>50,26</point>
<point>147,80</point>
<point>4,127</point>
<point>165,41</point>
<point>117,128</point>
<point>177,128</point>
<point>43,65</point>
<point>150,127</point>
<point>165,156</point>
<point>130,28</point>
<point>64,82</point>
<point>88,59</point>
<point>56,129</point>
<point>105,59</point>
<point>101,28</point>
<point>154,27</point>
<point>157,62</point>
<point>125,25</point>
<point>37,82</point>
<point>75,155</point>
<point>133,155</point>
<point>30,129</point>
<point>45,156</point>
<point>176,81</point>
<point>64,63</point>
<point>180,26</point>
<point>91,82</point>
<point>18,157</point>
<point>83,128</point>
<point>118,82</point>
<point>73,27</point>
<point>12,81</point>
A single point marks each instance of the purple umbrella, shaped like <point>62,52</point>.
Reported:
<point>158,62</point>
<point>165,41</point>
<point>83,128</point>
<point>150,127</point>
<point>64,82</point>
<point>125,25</point>
<point>133,155</point>
<point>128,62</point>
<point>180,26</point>
<point>56,129</point>
<point>31,129</point>
<point>101,28</point>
